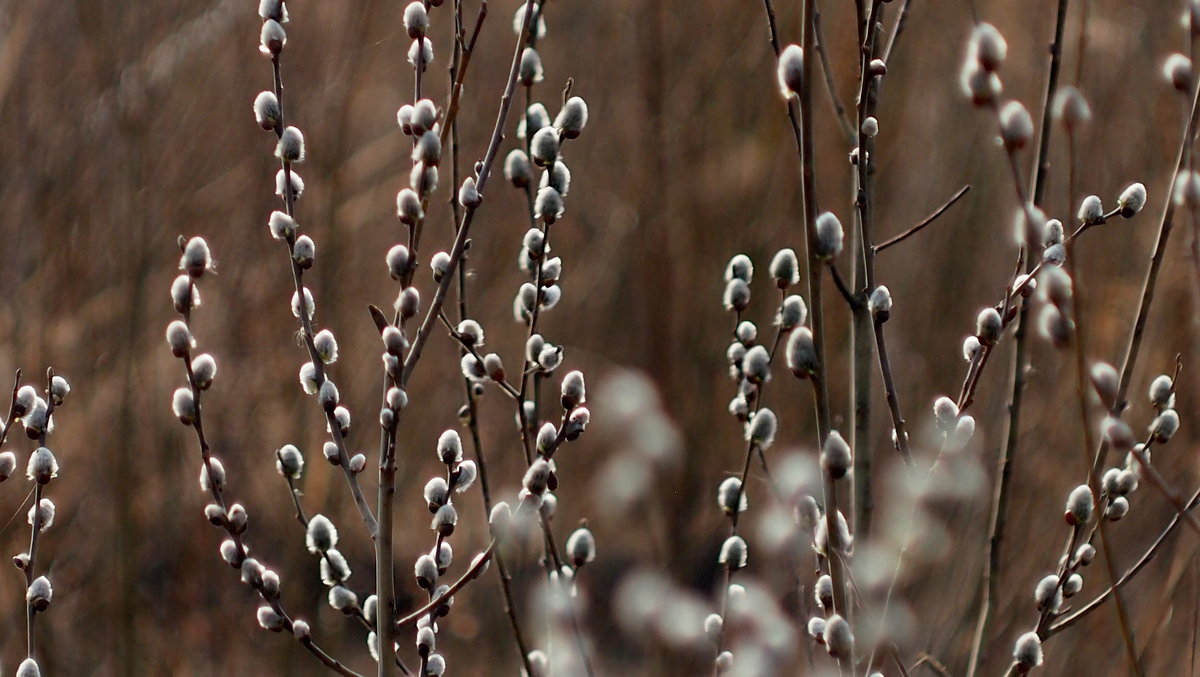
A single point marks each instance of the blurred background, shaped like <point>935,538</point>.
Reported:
<point>126,125</point>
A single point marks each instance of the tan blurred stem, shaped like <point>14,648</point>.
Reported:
<point>839,109</point>
<point>1148,287</point>
<point>803,109</point>
<point>1127,632</point>
<point>1017,367</point>
<point>1079,351</point>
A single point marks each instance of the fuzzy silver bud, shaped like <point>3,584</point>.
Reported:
<point>183,404</point>
<point>987,47</point>
<point>179,337</point>
<point>8,465</point>
<point>1071,108</point>
<point>196,257</point>
<point>1132,200</point>
<point>1027,652</point>
<point>792,313</point>
<point>791,70</point>
<point>760,431</point>
<point>880,303</point>
<point>544,148</point>
<point>548,206</point>
<point>839,640</point>
<point>1080,506</point>
<point>581,547</point>
<point>731,497</point>
<point>1016,126</point>
<point>1162,390</point>
<point>836,456</point>
<point>321,535</point>
<point>1106,381</point>
<point>416,20</point>
<point>802,353</point>
<point>517,170</point>
<point>291,145</point>
<point>988,326</point>
<point>572,118</point>
<point>829,236</point>
<point>272,39</point>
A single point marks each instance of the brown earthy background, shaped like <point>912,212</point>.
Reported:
<point>126,124</point>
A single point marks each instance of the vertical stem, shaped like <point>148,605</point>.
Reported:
<point>1017,368</point>
<point>815,269</point>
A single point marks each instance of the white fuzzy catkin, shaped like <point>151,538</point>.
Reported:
<point>839,640</point>
<point>836,456</point>
<point>988,326</point>
<point>572,118</point>
<point>731,497</point>
<point>1106,382</point>
<point>8,465</point>
<point>880,303</point>
<point>1080,506</point>
<point>1091,210</point>
<point>829,236</point>
<point>785,268</point>
<point>1016,126</point>
<point>734,553</point>
<point>581,546</point>
<point>1177,69</point>
<point>1132,200</point>
<point>291,145</point>
<point>740,267</point>
<point>791,70</point>
<point>1027,652</point>
<point>792,313</point>
<point>801,353</point>
<point>321,535</point>
<point>987,47</point>
<point>1071,108</point>
<point>760,431</point>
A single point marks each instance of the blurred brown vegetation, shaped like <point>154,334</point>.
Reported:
<point>124,125</point>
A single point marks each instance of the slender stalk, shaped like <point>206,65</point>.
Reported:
<point>1079,351</point>
<point>1017,367</point>
<point>923,223</point>
<point>460,240</point>
<point>902,443</point>
<point>1151,281</point>
<point>800,113</point>
<point>1078,615</point>
<point>217,496</point>
<point>289,198</point>
<point>839,108</point>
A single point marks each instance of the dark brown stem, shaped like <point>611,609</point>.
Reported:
<point>885,368</point>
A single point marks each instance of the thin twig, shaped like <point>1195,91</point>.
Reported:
<point>924,222</point>
<point>456,253</point>
<point>1017,367</point>
<point>838,108</point>
<point>1080,613</point>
